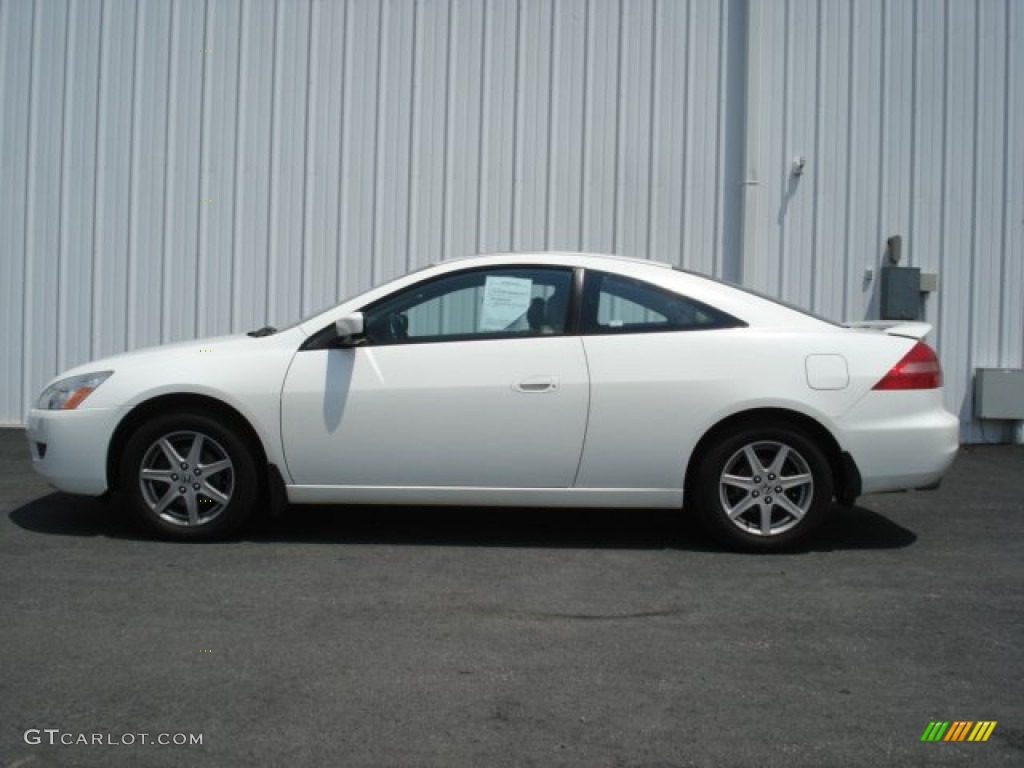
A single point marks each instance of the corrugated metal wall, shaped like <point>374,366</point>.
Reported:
<point>175,169</point>
<point>910,117</point>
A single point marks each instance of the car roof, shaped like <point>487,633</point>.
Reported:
<point>752,309</point>
<point>579,258</point>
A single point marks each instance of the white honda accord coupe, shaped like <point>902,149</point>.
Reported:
<point>555,380</point>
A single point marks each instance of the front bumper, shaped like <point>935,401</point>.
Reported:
<point>69,448</point>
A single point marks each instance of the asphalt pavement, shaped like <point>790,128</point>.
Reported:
<point>491,637</point>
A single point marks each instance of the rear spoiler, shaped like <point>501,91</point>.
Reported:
<point>910,329</point>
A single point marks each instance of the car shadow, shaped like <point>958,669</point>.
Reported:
<point>847,528</point>
<point>61,514</point>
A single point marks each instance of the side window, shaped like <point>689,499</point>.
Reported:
<point>482,303</point>
<point>616,304</point>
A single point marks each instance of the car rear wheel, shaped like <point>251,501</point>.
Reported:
<point>187,476</point>
<point>763,488</point>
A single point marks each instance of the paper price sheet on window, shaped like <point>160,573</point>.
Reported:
<point>505,302</point>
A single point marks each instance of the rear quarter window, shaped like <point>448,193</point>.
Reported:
<point>616,304</point>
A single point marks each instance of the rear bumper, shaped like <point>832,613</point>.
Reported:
<point>69,448</point>
<point>900,440</point>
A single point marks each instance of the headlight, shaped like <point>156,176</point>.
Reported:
<point>68,394</point>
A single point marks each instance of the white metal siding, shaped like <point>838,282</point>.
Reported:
<point>909,115</point>
<point>186,168</point>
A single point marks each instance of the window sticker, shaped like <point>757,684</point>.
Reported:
<point>505,302</point>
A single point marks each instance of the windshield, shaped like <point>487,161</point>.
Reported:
<point>349,297</point>
<point>320,311</point>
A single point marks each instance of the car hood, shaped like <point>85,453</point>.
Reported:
<point>231,368</point>
<point>218,347</point>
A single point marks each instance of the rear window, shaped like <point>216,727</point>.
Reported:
<point>765,296</point>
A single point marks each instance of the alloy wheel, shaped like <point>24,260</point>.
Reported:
<point>766,488</point>
<point>186,478</point>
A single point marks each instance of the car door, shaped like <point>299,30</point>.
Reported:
<point>467,379</point>
<point>651,355</point>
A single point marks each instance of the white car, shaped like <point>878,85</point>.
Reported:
<point>555,380</point>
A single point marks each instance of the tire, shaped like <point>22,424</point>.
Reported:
<point>764,488</point>
<point>222,483</point>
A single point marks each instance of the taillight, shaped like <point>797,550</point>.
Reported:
<point>919,369</point>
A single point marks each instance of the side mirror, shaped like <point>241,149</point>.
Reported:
<point>349,329</point>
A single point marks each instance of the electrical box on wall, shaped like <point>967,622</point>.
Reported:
<point>999,393</point>
<point>901,293</point>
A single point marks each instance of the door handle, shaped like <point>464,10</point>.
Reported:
<point>536,385</point>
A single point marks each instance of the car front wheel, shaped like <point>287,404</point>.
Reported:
<point>187,476</point>
<point>763,488</point>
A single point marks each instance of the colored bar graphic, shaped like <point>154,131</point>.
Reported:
<point>983,730</point>
<point>958,730</point>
